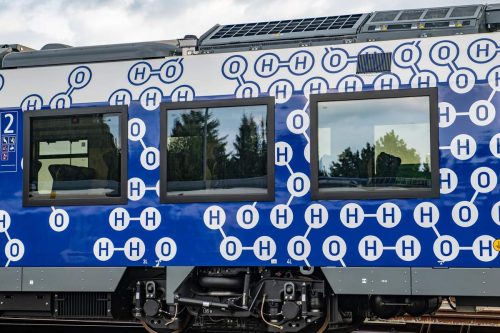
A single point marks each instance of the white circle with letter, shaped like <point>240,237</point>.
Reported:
<point>59,220</point>
<point>247,217</point>
<point>264,248</point>
<point>4,221</point>
<point>134,249</point>
<point>299,248</point>
<point>14,250</point>
<point>214,217</point>
<point>103,249</point>
<point>334,248</point>
<point>231,248</point>
<point>464,214</point>
<point>166,249</point>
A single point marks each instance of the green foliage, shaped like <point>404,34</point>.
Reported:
<point>389,157</point>
<point>249,159</point>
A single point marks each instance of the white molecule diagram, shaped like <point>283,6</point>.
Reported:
<point>79,78</point>
<point>231,248</point>
<point>14,248</point>
<point>445,54</point>
<point>481,112</point>
<point>134,248</point>
<point>150,98</point>
<point>408,56</point>
<point>150,156</point>
<point>265,66</point>
<point>388,215</point>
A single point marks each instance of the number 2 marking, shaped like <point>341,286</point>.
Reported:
<point>10,118</point>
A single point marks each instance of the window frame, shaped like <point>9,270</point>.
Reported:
<point>165,107</point>
<point>432,192</point>
<point>121,110</point>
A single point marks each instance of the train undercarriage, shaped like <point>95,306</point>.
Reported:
<point>218,299</point>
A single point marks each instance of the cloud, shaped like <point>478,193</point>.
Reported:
<point>35,23</point>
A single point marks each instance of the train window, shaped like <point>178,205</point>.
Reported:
<point>221,150</point>
<point>371,145</point>
<point>75,156</point>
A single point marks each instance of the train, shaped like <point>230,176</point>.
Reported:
<point>286,176</point>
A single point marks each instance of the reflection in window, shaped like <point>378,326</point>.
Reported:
<point>75,156</point>
<point>366,145</point>
<point>217,151</point>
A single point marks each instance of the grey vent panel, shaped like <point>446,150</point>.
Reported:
<point>287,29</point>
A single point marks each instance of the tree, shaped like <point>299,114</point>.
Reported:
<point>192,155</point>
<point>392,145</point>
<point>390,157</point>
<point>347,165</point>
<point>250,147</point>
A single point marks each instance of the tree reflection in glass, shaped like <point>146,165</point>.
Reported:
<point>217,150</point>
<point>375,143</point>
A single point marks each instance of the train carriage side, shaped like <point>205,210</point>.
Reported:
<point>271,188</point>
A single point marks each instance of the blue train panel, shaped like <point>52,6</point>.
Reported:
<point>457,229</point>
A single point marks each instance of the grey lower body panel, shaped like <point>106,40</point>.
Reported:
<point>10,279</point>
<point>456,281</point>
<point>175,276</point>
<point>61,279</point>
<point>366,280</point>
<point>414,281</point>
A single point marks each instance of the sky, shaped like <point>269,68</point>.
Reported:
<point>34,23</point>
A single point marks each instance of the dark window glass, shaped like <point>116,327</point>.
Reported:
<point>374,144</point>
<point>220,150</point>
<point>75,156</point>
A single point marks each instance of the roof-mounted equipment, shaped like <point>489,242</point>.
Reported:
<point>424,22</point>
<point>280,34</point>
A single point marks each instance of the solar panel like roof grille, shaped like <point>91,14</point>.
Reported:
<point>287,26</point>
<point>436,13</point>
<point>410,15</point>
<point>463,11</point>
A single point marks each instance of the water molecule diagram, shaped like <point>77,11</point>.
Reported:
<point>143,73</point>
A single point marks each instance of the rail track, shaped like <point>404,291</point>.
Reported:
<point>446,320</point>
<point>484,320</point>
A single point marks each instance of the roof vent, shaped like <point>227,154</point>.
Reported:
<point>374,63</point>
